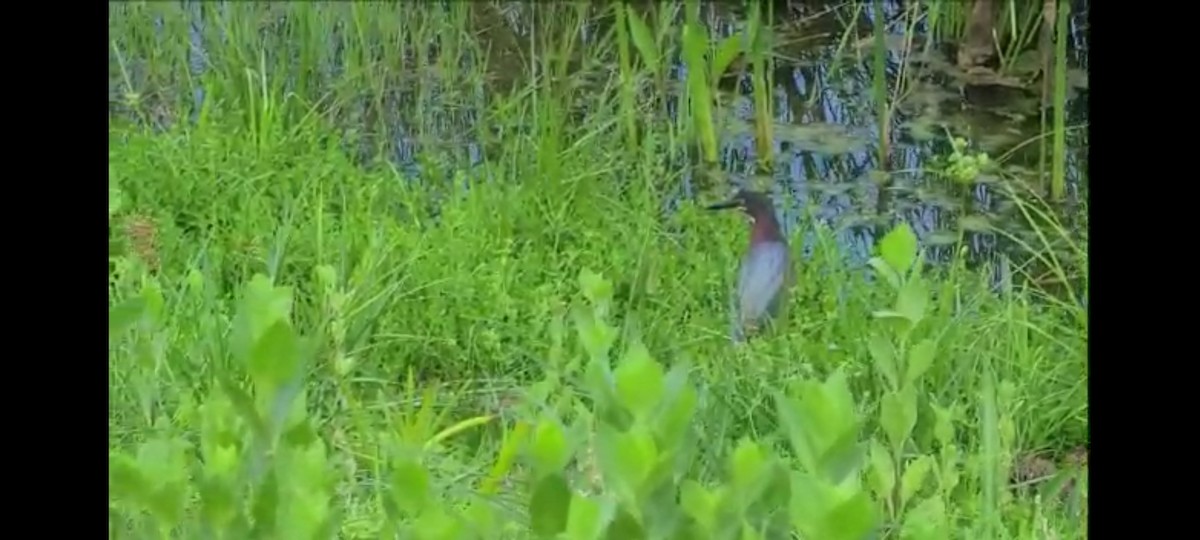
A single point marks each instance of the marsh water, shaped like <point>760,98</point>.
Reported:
<point>826,133</point>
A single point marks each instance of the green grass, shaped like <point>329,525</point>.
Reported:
<point>305,343</point>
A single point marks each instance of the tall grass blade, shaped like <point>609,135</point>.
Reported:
<point>695,48</point>
<point>1058,178</point>
<point>643,39</point>
<point>879,80</point>
<point>628,110</point>
<point>759,43</point>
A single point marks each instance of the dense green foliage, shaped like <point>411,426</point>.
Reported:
<point>307,344</point>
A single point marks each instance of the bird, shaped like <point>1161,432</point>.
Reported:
<point>766,272</point>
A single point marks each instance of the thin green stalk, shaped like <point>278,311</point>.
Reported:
<point>879,80</point>
<point>1020,33</point>
<point>902,89</point>
<point>946,19</point>
<point>1058,179</point>
<point>762,75</point>
<point>627,107</point>
<point>699,98</point>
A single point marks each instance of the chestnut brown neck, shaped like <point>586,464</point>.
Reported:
<point>765,228</point>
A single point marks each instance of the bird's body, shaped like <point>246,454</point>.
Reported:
<point>766,273</point>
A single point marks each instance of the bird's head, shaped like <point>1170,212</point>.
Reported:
<point>756,205</point>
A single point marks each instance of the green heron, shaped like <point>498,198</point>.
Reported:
<point>766,272</point>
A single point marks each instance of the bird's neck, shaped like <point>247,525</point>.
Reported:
<point>765,229</point>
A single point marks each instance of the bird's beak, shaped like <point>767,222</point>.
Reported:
<point>724,205</point>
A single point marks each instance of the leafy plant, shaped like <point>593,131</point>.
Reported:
<point>901,359</point>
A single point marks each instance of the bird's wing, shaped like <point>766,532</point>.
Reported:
<point>761,279</point>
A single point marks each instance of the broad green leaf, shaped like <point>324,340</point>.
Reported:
<point>482,516</point>
<point>695,47</point>
<point>222,459</point>
<point>792,419</point>
<point>699,503</point>
<point>777,493</point>
<point>894,321</point>
<point>550,452</point>
<point>853,519</point>
<point>807,506</point>
<point>437,524</point>
<point>842,457</point>
<point>640,453</point>
<point>899,248</point>
<point>218,427</point>
<point>912,300</point>
<point>675,419</point>
<point>308,488</point>
<point>624,526</point>
<point>943,426</point>
<point>914,477</point>
<point>550,505</point>
<point>587,518</point>
<point>222,462</point>
<point>262,305</point>
<point>760,36</point>
<point>643,39</point>
<point>884,356</point>
<point>627,458</point>
<point>596,336</point>
<point>275,360</point>
<point>833,407</point>
<point>598,378</point>
<point>410,486</point>
<point>886,272</point>
<point>926,521</point>
<point>595,287</point>
<point>300,434</point>
<point>125,479</point>
<point>749,533</point>
<point>218,504</point>
<point>822,426</point>
<point>124,315</point>
<point>727,51</point>
<point>748,463</point>
<point>243,404</point>
<point>164,463</point>
<point>920,358</point>
<point>898,415</point>
<point>287,413</point>
<point>883,471</point>
<point>639,381</point>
